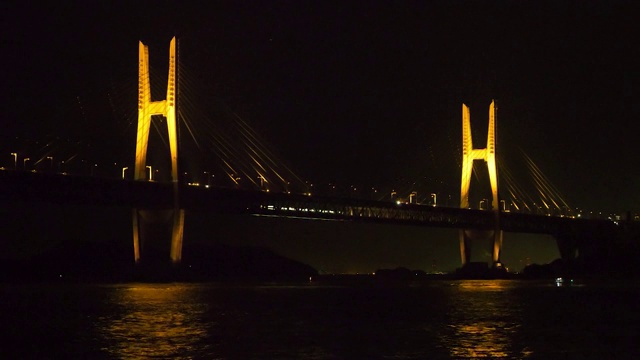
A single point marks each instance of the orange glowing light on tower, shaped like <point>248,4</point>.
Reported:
<point>146,109</point>
<point>488,155</point>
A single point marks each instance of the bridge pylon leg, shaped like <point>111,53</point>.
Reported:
<point>176,236</point>
<point>465,248</point>
<point>146,109</point>
<point>153,229</point>
<point>497,247</point>
<point>136,235</point>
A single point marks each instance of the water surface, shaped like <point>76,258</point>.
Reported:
<point>430,320</point>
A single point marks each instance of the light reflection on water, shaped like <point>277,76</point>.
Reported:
<point>434,320</point>
<point>484,321</point>
<point>150,320</point>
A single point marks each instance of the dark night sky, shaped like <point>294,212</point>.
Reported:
<point>357,92</point>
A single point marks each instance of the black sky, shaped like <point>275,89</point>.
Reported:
<point>358,92</point>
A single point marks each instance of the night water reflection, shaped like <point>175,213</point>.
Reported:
<point>433,320</point>
<point>485,321</point>
<point>151,320</point>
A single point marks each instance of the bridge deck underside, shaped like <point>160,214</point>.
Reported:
<point>35,187</point>
<point>301,206</point>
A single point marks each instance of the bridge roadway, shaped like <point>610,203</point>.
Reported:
<point>16,186</point>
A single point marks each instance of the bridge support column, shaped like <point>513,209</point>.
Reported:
<point>176,236</point>
<point>497,246</point>
<point>465,248</point>
<point>567,242</point>
<point>153,230</point>
<point>136,235</point>
<point>146,110</point>
<point>469,236</point>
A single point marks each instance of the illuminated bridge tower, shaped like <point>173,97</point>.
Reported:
<point>488,155</point>
<point>147,109</point>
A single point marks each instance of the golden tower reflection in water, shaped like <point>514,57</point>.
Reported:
<point>154,321</point>
<point>482,321</point>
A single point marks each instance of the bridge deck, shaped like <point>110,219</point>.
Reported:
<point>42,187</point>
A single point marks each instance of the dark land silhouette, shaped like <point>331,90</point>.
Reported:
<point>82,261</point>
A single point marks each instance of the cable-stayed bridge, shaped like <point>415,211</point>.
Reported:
<point>225,166</point>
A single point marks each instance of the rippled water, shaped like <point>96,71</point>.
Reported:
<point>439,319</point>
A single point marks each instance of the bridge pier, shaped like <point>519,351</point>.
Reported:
<point>469,236</point>
<point>586,240</point>
<point>155,230</point>
<point>567,247</point>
